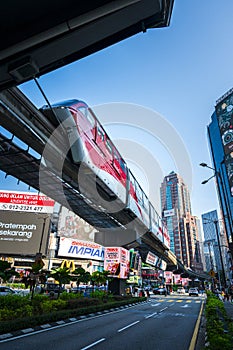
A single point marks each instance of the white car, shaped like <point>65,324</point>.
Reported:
<point>6,291</point>
<point>193,291</point>
<point>180,290</point>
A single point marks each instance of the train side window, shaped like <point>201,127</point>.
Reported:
<point>139,194</point>
<point>109,146</point>
<point>100,134</point>
<point>123,165</point>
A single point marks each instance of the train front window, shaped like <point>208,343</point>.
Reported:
<point>83,110</point>
<point>90,118</point>
<point>88,115</point>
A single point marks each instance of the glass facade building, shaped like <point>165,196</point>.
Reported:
<point>211,248</point>
<point>220,135</point>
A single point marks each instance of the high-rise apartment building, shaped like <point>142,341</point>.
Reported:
<point>181,224</point>
<point>220,135</point>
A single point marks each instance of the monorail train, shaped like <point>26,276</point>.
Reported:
<point>92,149</point>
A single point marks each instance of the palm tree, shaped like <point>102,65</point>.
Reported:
<point>99,277</point>
<point>81,276</point>
<point>62,275</point>
<point>6,271</point>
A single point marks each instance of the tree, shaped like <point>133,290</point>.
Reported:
<point>81,276</point>
<point>6,271</point>
<point>62,275</point>
<point>99,277</point>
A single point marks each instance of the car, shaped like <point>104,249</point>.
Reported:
<point>6,291</point>
<point>160,291</point>
<point>52,287</point>
<point>180,290</point>
<point>193,291</point>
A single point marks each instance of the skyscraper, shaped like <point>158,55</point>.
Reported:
<point>215,246</point>
<point>220,135</point>
<point>211,248</point>
<point>181,224</point>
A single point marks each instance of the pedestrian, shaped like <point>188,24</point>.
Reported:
<point>231,294</point>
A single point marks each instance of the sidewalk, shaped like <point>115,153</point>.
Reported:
<point>228,305</point>
<point>200,344</point>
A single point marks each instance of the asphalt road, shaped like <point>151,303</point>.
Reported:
<point>161,323</point>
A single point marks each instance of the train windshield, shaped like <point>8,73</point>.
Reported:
<point>66,103</point>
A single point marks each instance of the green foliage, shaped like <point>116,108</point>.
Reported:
<point>16,285</point>
<point>17,312</point>
<point>218,326</point>
<point>98,294</point>
<point>82,302</point>
<point>99,277</point>
<point>61,274</point>
<point>13,302</point>
<point>6,271</point>
<point>80,275</point>
<point>6,314</point>
<point>53,305</point>
<point>25,311</point>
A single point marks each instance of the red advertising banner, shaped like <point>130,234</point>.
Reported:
<point>168,276</point>
<point>177,279</point>
<point>116,261</point>
<point>151,259</point>
<point>26,202</point>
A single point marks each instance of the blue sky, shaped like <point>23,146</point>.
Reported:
<point>179,72</point>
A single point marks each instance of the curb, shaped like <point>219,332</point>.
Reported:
<point>61,323</point>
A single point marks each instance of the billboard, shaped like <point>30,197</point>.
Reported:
<point>224,111</point>
<point>168,276</point>
<point>116,261</point>
<point>71,225</point>
<point>169,212</point>
<point>24,222</point>
<point>151,259</point>
<point>23,233</point>
<point>74,248</point>
<point>26,202</point>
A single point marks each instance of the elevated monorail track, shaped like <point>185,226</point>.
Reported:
<point>21,118</point>
<point>23,121</point>
<point>26,123</point>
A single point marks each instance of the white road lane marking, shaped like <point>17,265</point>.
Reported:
<point>129,325</point>
<point>163,309</point>
<point>93,344</point>
<point>155,313</point>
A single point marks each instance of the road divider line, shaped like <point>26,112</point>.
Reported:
<point>163,309</point>
<point>196,329</point>
<point>129,325</point>
<point>155,313</point>
<point>93,344</point>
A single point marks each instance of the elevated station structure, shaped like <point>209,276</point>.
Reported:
<point>39,39</point>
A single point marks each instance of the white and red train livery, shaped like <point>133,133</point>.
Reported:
<point>91,147</point>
